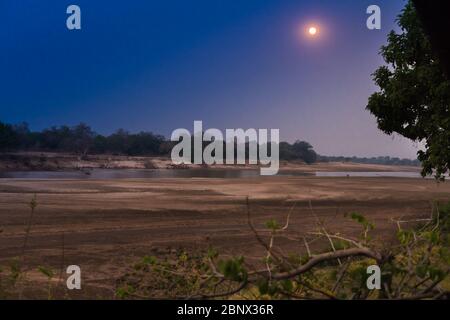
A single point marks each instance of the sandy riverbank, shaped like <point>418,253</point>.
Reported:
<point>36,161</point>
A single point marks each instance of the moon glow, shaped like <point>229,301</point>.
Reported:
<point>312,31</point>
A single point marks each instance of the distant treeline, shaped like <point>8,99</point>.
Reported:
<point>81,139</point>
<point>371,160</point>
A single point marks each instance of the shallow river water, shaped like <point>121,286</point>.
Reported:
<point>190,173</point>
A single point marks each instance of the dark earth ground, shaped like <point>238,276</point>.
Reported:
<point>105,226</point>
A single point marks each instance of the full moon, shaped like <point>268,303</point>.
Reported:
<point>312,31</point>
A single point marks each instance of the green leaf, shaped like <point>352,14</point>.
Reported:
<point>273,225</point>
<point>149,260</point>
<point>46,271</point>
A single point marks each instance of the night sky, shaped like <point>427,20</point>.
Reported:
<point>158,65</point>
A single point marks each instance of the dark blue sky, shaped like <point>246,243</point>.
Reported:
<point>158,65</point>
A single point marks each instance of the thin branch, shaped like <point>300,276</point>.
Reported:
<point>269,254</point>
<point>219,295</point>
<point>355,243</point>
<point>33,205</point>
<point>329,256</point>
<point>307,247</point>
<point>255,232</point>
<point>324,230</point>
<point>288,216</point>
<point>340,276</point>
<point>317,290</point>
<point>428,295</point>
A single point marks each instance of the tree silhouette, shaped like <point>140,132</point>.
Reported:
<point>414,95</point>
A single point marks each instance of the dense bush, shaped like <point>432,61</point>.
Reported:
<point>415,266</point>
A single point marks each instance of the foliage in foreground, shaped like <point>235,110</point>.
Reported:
<point>13,277</point>
<point>416,267</point>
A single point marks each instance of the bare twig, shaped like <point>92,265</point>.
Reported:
<point>255,232</point>
<point>355,243</point>
<point>340,276</point>
<point>219,295</point>
<point>324,230</point>
<point>307,247</point>
<point>33,205</point>
<point>288,216</point>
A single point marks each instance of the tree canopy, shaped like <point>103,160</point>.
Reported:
<point>414,95</point>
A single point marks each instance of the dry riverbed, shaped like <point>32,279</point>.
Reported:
<point>105,225</point>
